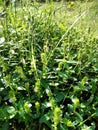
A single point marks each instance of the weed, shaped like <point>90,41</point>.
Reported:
<point>48,71</point>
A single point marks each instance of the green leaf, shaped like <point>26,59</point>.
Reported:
<point>79,117</point>
<point>70,108</point>
<point>59,96</point>
<point>72,62</point>
<point>45,119</point>
<point>5,126</point>
<point>94,85</point>
<point>63,127</point>
<point>11,111</point>
<point>84,80</point>
<point>97,111</point>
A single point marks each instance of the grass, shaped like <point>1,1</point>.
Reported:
<point>49,67</point>
<point>67,13</point>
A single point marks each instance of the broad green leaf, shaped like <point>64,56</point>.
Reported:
<point>11,110</point>
<point>70,107</point>
<point>59,96</point>
<point>45,119</point>
<point>97,111</point>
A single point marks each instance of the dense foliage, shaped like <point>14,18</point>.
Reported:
<point>48,73</point>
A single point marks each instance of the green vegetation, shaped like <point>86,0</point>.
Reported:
<point>49,67</point>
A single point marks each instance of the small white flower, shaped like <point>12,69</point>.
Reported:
<point>29,105</point>
<point>12,52</point>
<point>2,40</point>
<point>48,104</point>
<point>1,89</point>
<point>10,100</point>
<point>35,89</point>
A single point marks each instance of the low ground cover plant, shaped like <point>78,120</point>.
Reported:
<point>48,72</point>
